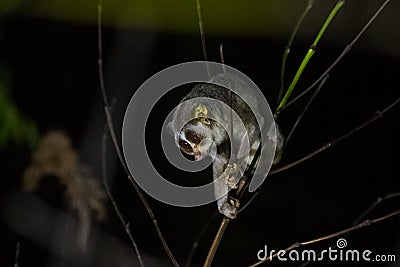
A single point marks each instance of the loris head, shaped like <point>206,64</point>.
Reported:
<point>201,135</point>
<point>196,139</point>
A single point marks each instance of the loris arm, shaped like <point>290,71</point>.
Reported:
<point>226,175</point>
<point>221,187</point>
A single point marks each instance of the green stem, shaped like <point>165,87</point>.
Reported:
<point>309,54</point>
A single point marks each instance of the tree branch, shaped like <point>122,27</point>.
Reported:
<point>116,145</point>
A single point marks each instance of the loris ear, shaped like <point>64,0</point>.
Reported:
<point>171,128</point>
<point>200,112</point>
<point>261,122</point>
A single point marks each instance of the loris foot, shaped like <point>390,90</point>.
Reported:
<point>230,209</point>
<point>230,174</point>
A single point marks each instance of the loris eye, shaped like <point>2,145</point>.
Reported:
<point>185,146</point>
<point>194,138</point>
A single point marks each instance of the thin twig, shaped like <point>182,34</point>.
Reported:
<point>202,35</point>
<point>100,53</point>
<point>255,194</point>
<point>197,240</point>
<point>339,233</point>
<point>374,205</point>
<point>110,126</point>
<point>221,55</point>
<point>17,253</point>
<point>217,240</point>
<point>300,117</point>
<point>113,202</point>
<point>377,115</point>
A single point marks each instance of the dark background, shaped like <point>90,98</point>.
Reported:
<point>53,69</point>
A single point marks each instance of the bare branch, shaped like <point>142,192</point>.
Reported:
<point>374,205</point>
<point>377,115</point>
<point>114,204</point>
<point>300,117</point>
<point>217,240</point>
<point>197,240</point>
<point>110,126</point>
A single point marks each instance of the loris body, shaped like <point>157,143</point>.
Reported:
<point>202,127</point>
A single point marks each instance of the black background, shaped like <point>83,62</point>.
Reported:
<point>53,68</point>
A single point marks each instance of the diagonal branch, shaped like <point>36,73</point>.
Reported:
<point>377,115</point>
<point>217,240</point>
<point>110,126</point>
<point>199,236</point>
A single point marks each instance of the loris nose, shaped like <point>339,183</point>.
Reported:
<point>196,153</point>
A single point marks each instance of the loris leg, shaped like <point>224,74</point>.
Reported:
<point>222,186</point>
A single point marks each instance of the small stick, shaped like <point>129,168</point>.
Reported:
<point>217,240</point>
